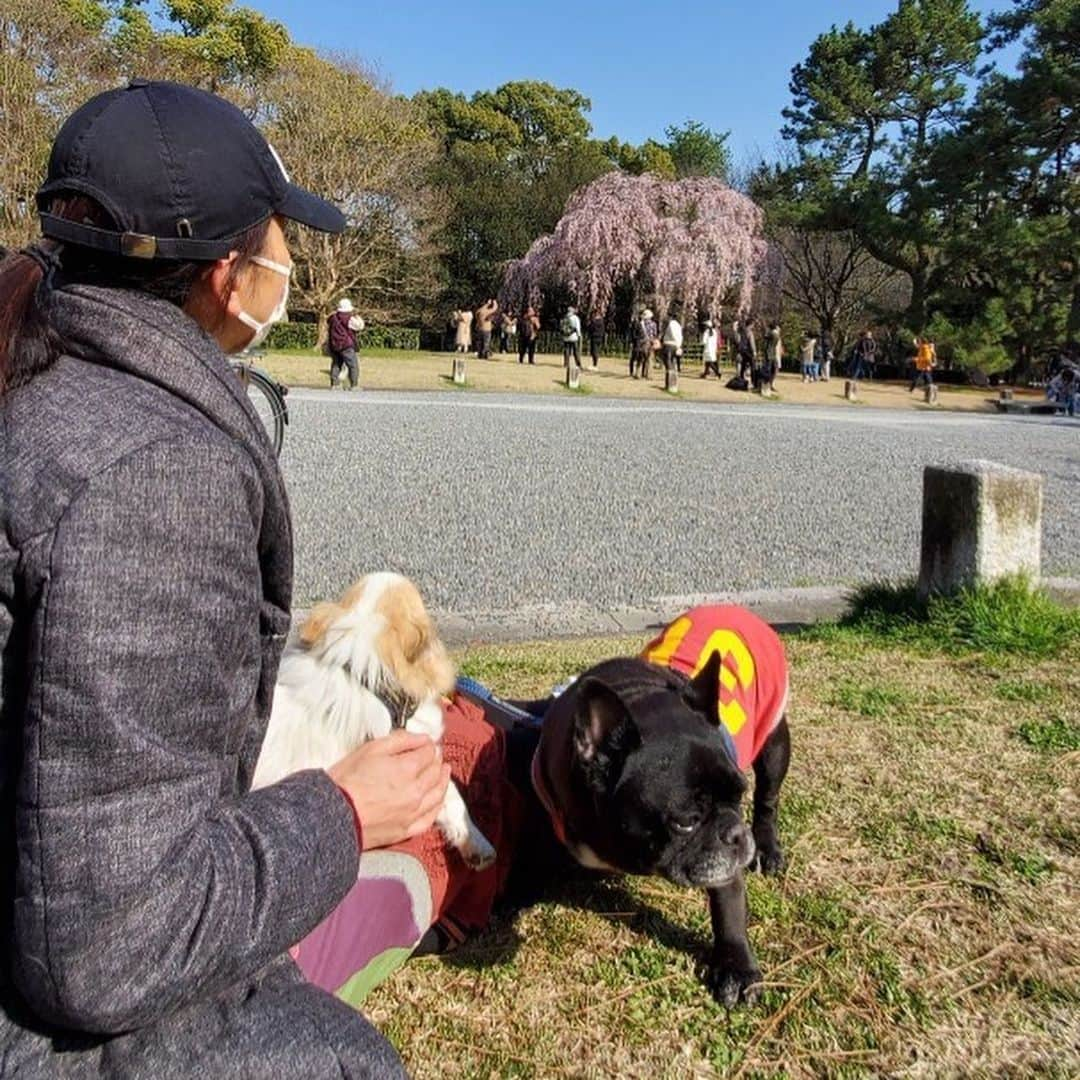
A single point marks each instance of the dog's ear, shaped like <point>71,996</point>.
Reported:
<point>703,691</point>
<point>314,627</point>
<point>600,714</point>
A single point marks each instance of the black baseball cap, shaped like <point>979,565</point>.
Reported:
<point>181,171</point>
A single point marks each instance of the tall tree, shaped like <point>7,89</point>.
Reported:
<point>1010,181</point>
<point>695,150</point>
<point>342,135</point>
<point>868,109</point>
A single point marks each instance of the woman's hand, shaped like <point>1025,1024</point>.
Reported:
<point>396,784</point>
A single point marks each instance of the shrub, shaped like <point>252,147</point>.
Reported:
<point>300,336</point>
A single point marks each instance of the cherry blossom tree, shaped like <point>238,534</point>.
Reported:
<point>694,240</point>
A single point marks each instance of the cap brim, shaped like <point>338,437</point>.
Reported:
<point>307,209</point>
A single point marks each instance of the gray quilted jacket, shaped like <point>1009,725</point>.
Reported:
<point>147,898</point>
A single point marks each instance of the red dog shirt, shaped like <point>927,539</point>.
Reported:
<point>753,677</point>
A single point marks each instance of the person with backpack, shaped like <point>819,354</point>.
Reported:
<point>571,335</point>
<point>925,362</point>
<point>150,898</point>
<point>342,328</point>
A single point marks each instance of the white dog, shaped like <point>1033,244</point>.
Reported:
<point>355,670</point>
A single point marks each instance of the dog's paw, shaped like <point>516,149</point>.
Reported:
<point>732,985</point>
<point>477,851</point>
<point>768,859</point>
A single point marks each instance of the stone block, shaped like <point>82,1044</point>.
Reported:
<point>980,522</point>
<point>573,376</point>
<point>851,390</point>
<point>1006,395</point>
<point>459,370</point>
<point>671,380</point>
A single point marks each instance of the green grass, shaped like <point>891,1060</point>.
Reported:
<point>1054,734</point>
<point>1008,618</point>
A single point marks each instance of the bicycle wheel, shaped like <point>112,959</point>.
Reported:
<point>267,400</point>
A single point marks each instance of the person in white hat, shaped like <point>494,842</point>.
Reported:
<point>343,327</point>
<point>709,344</point>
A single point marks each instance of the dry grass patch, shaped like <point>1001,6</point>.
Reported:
<point>403,370</point>
<point>926,925</point>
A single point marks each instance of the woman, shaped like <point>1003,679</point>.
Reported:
<point>463,331</point>
<point>145,586</point>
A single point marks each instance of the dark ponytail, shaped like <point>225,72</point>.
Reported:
<point>28,343</point>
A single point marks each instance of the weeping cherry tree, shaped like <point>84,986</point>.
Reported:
<point>694,240</point>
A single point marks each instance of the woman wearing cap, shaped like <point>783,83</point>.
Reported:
<point>148,897</point>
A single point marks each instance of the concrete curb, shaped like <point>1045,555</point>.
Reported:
<point>786,609</point>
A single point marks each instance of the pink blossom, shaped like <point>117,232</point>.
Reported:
<point>694,240</point>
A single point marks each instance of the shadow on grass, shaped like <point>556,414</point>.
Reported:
<point>579,890</point>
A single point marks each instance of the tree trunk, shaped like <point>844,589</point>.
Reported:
<point>1072,328</point>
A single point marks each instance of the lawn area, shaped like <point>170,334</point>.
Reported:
<point>404,370</point>
<point>926,925</point>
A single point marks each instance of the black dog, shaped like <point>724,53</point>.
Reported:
<point>632,771</point>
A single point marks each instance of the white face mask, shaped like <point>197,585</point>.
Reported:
<point>263,328</point>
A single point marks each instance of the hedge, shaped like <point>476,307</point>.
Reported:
<point>300,336</point>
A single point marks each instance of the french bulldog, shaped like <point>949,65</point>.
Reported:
<point>636,771</point>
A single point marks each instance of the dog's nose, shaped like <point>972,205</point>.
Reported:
<point>735,835</point>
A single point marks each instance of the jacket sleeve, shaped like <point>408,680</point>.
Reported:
<point>144,880</point>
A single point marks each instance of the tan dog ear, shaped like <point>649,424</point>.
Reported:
<point>319,619</point>
<point>409,646</point>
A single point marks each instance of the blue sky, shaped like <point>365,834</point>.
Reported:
<point>644,65</point>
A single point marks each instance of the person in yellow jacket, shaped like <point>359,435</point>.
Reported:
<point>925,362</point>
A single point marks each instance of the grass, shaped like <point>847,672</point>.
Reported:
<point>1008,618</point>
<point>925,925</point>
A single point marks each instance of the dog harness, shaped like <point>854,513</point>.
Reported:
<point>753,676</point>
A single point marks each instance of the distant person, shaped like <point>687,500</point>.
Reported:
<point>863,355</point>
<point>745,348</point>
<point>1064,390</point>
<point>462,330</point>
<point>642,344</point>
<point>507,332</point>
<point>485,321</point>
<point>808,357</point>
<point>824,354</point>
<point>571,335</point>
<point>925,362</point>
<point>710,345</point>
<point>672,342</point>
<point>774,358</point>
<point>528,328</point>
<point>597,330</point>
<point>342,328</point>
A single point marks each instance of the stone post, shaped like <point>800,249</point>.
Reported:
<point>573,376</point>
<point>1006,395</point>
<point>671,380</point>
<point>980,522</point>
<point>931,393</point>
<point>851,390</point>
<point>459,370</point>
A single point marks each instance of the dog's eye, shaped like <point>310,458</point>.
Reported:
<point>684,825</point>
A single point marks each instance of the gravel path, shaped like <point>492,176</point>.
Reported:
<point>495,503</point>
